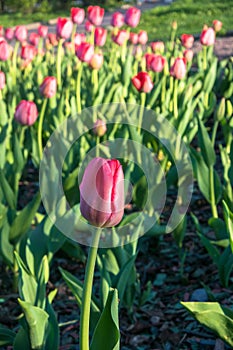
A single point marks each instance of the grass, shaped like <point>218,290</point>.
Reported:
<point>190,15</point>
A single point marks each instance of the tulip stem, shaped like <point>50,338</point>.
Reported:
<point>204,57</point>
<point>212,193</point>
<point>78,88</point>
<point>59,53</point>
<point>95,81</point>
<point>41,119</point>
<point>14,61</point>
<point>214,133</point>
<point>87,290</point>
<point>175,99</point>
<point>143,102</point>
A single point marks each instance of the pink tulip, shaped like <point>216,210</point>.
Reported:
<point>187,40</point>
<point>217,25</point>
<point>142,82</point>
<point>21,33</point>
<point>9,34</point>
<point>4,50</point>
<point>149,57</point>
<point>158,47</point>
<point>1,31</point>
<point>64,28</point>
<point>100,36</point>
<point>96,61</point>
<point>79,38</point>
<point>117,20</point>
<point>132,17</point>
<point>77,15</point>
<point>158,63</point>
<point>28,52</point>
<point>26,113</point>
<point>102,192</point>
<point>2,80</point>
<point>178,69</point>
<point>52,39</point>
<point>85,52</point>
<point>133,38</point>
<point>89,26</point>
<point>100,127</point>
<point>121,37</point>
<point>142,37</point>
<point>207,37</point>
<point>42,31</point>
<point>95,15</point>
<point>34,39</point>
<point>49,87</point>
<point>188,55</point>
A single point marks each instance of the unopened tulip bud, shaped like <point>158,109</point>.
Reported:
<point>178,69</point>
<point>188,55</point>
<point>100,36</point>
<point>142,82</point>
<point>221,110</point>
<point>99,128</point>
<point>133,38</point>
<point>77,15</point>
<point>207,37</point>
<point>102,192</point>
<point>26,113</point>
<point>229,109</point>
<point>4,50</point>
<point>28,52</point>
<point>85,52</point>
<point>132,17</point>
<point>79,38</point>
<point>157,63</point>
<point>9,34</point>
<point>121,37</point>
<point>52,39</point>
<point>174,25</point>
<point>117,20</point>
<point>158,47</point>
<point>217,25</point>
<point>149,57</point>
<point>89,26</point>
<point>49,87</point>
<point>64,28</point>
<point>42,31</point>
<point>95,15</point>
<point>21,33</point>
<point>142,37</point>
<point>2,80</point>
<point>96,61</point>
<point>187,40</point>
<point>34,39</point>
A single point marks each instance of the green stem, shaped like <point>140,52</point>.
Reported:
<point>212,193</point>
<point>78,88</point>
<point>204,57</point>
<point>95,81</point>
<point>175,99</point>
<point>59,54</point>
<point>87,290</point>
<point>143,102</point>
<point>163,92</point>
<point>41,118</point>
<point>14,61</point>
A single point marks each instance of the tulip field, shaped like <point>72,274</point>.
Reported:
<point>116,187</point>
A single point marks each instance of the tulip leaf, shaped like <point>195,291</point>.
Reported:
<point>210,76</point>
<point>206,146</point>
<point>229,222</point>
<point>52,331</point>
<point>108,326</point>
<point>6,249</point>
<point>123,278</point>
<point>6,336</point>
<point>213,316</point>
<point>7,191</point>
<point>22,341</point>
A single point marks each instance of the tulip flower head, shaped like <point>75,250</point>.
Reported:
<point>217,25</point>
<point>142,82</point>
<point>9,34</point>
<point>96,61</point>
<point>117,20</point>
<point>48,88</point>
<point>79,38</point>
<point>157,63</point>
<point>100,128</point>
<point>89,27</point>
<point>77,15</point>
<point>132,17</point>
<point>34,39</point>
<point>158,47</point>
<point>95,15</point>
<point>26,113</point>
<point>4,50</point>
<point>85,52</point>
<point>64,28</point>
<point>188,55</point>
<point>2,80</point>
<point>178,69</point>
<point>21,33</point>
<point>142,37</point>
<point>100,36</point>
<point>42,31</point>
<point>52,39</point>
<point>121,37</point>
<point>102,192</point>
<point>133,38</point>
<point>207,37</point>
<point>28,52</point>
<point>187,40</point>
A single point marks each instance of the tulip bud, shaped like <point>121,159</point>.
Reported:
<point>79,38</point>
<point>52,39</point>
<point>42,31</point>
<point>64,28</point>
<point>117,20</point>
<point>77,15</point>
<point>9,34</point>
<point>158,47</point>
<point>157,63</point>
<point>229,109</point>
<point>217,25</point>
<point>142,82</point>
<point>188,55</point>
<point>178,69</point>
<point>96,61</point>
<point>102,192</point>
<point>2,80</point>
<point>26,113</point>
<point>121,37</point>
<point>149,57</point>
<point>34,39</point>
<point>4,50</point>
<point>28,52</point>
<point>133,38</point>
<point>207,37</point>
<point>100,36</point>
<point>99,128</point>
<point>174,25</point>
<point>187,40</point>
<point>221,109</point>
<point>89,26</point>
<point>132,17</point>
<point>21,33</point>
<point>85,52</point>
<point>49,87</point>
<point>95,15</point>
<point>142,37</point>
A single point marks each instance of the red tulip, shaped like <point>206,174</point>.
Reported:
<point>79,38</point>
<point>2,80</point>
<point>142,37</point>
<point>34,39</point>
<point>188,55</point>
<point>26,113</point>
<point>133,38</point>
<point>52,39</point>
<point>102,192</point>
<point>77,15</point>
<point>64,28</point>
<point>142,82</point>
<point>49,87</point>
<point>99,127</point>
<point>28,52</point>
<point>96,61</point>
<point>85,52</point>
<point>121,37</point>
<point>42,31</point>
<point>4,50</point>
<point>9,33</point>
<point>158,46</point>
<point>132,17</point>
<point>21,33</point>
<point>117,20</point>
<point>217,25</point>
<point>178,69</point>
<point>89,26</point>
<point>95,15</point>
<point>149,57</point>
<point>158,63</point>
<point>187,40</point>
<point>207,37</point>
<point>100,36</point>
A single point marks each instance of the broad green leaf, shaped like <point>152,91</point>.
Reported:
<point>212,250</point>
<point>212,316</point>
<point>6,336</point>
<point>7,190</point>
<point>37,322</point>
<point>206,146</point>
<point>6,249</point>
<point>22,341</point>
<point>107,329</point>
<point>210,76</point>
<point>52,330</point>
<point>123,277</point>
<point>225,266</point>
<point>229,222</point>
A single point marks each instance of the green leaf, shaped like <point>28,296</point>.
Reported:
<point>7,191</point>
<point>210,76</point>
<point>21,340</point>
<point>37,322</point>
<point>107,328</point>
<point>123,277</point>
<point>229,222</point>
<point>179,232</point>
<point>52,331</point>
<point>6,249</point>
<point>6,336</point>
<point>212,316</point>
<point>206,146</point>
